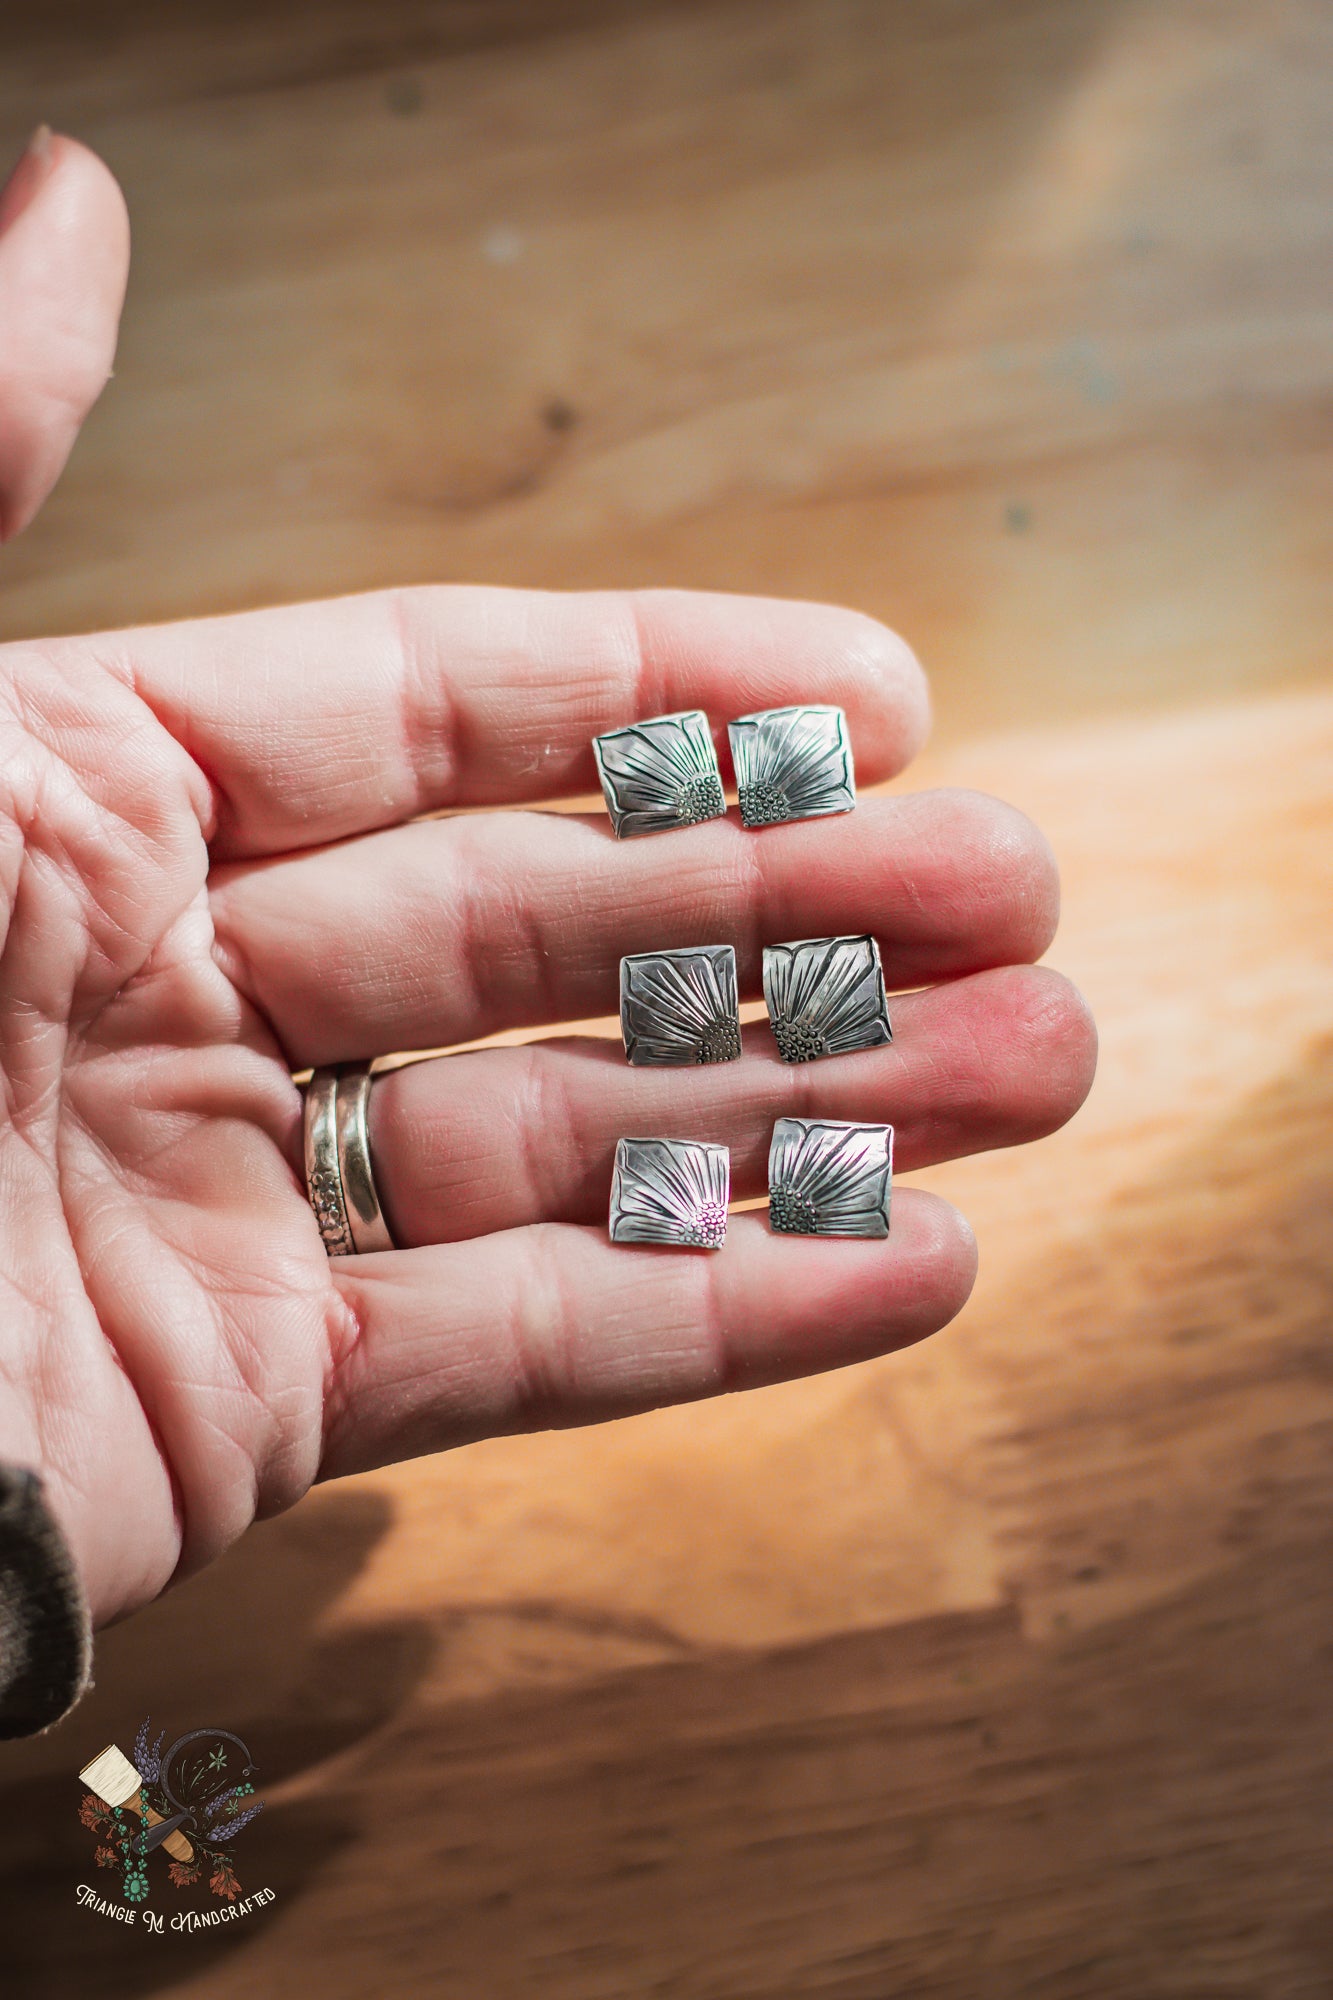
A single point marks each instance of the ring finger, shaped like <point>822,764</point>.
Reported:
<point>501,1138</point>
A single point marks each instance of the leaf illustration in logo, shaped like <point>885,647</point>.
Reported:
<point>223,1881</point>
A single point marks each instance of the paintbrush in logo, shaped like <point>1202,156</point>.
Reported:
<point>114,1780</point>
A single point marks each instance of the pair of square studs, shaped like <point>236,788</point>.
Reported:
<point>826,1177</point>
<point>825,997</point>
<point>791,763</point>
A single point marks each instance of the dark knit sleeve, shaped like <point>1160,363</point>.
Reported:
<point>45,1631</point>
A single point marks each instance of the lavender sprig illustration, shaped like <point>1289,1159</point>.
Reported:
<point>229,1829</point>
<point>219,1827</point>
<point>148,1761</point>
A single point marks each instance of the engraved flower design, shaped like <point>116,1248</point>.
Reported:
<point>825,997</point>
<point>827,1177</point>
<point>671,1191</point>
<point>660,774</point>
<point>792,763</point>
<point>680,1007</point>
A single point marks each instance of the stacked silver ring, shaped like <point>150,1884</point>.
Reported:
<point>338,1174</point>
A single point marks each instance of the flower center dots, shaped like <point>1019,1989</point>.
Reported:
<point>720,1042</point>
<point>762,804</point>
<point>798,1042</point>
<point>710,1226</point>
<point>700,798</point>
<point>790,1213</point>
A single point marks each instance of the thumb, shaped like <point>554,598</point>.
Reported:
<point>64,259</point>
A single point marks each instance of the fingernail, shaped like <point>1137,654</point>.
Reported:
<point>34,163</point>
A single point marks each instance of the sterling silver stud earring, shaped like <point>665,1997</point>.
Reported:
<point>825,997</point>
<point>792,763</point>
<point>672,1191</point>
<point>827,1177</point>
<point>660,774</point>
<point>679,1007</point>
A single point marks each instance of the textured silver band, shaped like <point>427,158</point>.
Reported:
<point>338,1175</point>
<point>323,1181</point>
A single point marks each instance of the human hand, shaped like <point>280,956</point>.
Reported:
<point>208,878</point>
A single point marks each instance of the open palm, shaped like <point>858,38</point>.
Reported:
<point>213,872</point>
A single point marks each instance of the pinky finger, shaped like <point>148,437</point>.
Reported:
<point>551,1325</point>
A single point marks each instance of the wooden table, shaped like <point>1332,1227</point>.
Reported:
<point>999,1668</point>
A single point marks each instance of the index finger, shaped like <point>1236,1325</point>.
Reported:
<point>316,721</point>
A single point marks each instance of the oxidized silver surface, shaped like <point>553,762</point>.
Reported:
<point>829,1178</point>
<point>792,763</point>
<point>660,774</point>
<point>679,1007</point>
<point>671,1191</point>
<point>825,996</point>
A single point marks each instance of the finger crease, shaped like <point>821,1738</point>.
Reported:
<point>544,1371</point>
<point>432,731</point>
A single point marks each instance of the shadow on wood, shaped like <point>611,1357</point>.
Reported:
<point>1065,1803</point>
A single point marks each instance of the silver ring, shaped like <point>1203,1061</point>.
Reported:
<point>339,1179</point>
<point>364,1215</point>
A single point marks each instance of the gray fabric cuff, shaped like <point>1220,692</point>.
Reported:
<point>46,1643</point>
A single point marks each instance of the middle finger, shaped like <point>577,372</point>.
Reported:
<point>447,930</point>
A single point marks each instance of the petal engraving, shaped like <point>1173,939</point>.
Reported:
<point>679,1007</point>
<point>792,763</point>
<point>660,774</point>
<point>672,1191</point>
<point>825,997</point>
<point>829,1177</point>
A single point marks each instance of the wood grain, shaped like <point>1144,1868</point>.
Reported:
<point>1008,322</point>
<point>998,1670</point>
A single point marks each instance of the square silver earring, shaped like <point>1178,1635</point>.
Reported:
<point>825,997</point>
<point>828,1177</point>
<point>792,763</point>
<point>660,774</point>
<point>672,1191</point>
<point>679,1007</point>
